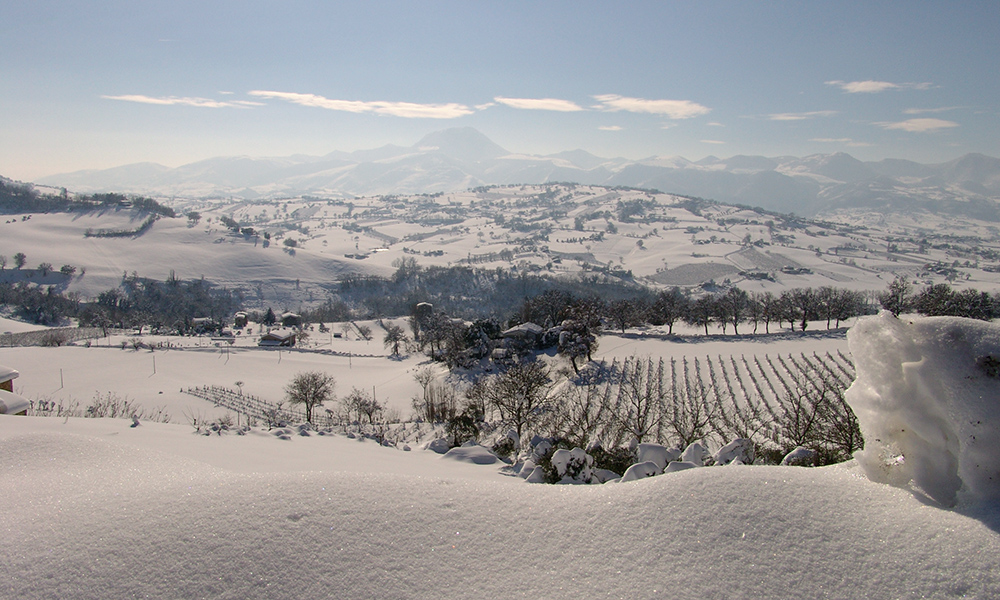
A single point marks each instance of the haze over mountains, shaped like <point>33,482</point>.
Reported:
<point>461,158</point>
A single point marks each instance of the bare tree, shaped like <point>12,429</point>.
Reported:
<point>896,299</point>
<point>311,389</point>
<point>669,307</point>
<point>737,303</point>
<point>365,332</point>
<point>518,394</point>
<point>394,336</point>
<point>701,312</point>
<point>360,403</point>
<point>584,408</point>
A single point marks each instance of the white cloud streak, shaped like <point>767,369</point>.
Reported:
<point>712,142</point>
<point>408,110</point>
<point>610,128</point>
<point>801,116</point>
<point>181,101</point>
<point>540,104</point>
<point>923,111</point>
<point>874,87</point>
<point>920,125</point>
<point>673,109</point>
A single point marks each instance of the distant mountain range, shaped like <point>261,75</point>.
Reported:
<point>461,158</point>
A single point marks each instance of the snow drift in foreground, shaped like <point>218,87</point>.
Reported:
<point>93,508</point>
<point>927,398</point>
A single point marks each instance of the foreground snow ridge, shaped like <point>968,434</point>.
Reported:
<point>927,398</point>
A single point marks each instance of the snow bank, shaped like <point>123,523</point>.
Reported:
<point>927,397</point>
<point>94,509</point>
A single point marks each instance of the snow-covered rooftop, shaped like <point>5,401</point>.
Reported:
<point>12,404</point>
<point>7,373</point>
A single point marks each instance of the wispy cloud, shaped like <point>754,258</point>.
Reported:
<point>874,87</point>
<point>674,109</point>
<point>712,142</point>
<point>714,124</point>
<point>919,125</point>
<point>176,100</point>
<point>844,141</point>
<point>610,128</point>
<point>396,109</point>
<point>802,116</point>
<point>540,104</point>
<point>923,111</point>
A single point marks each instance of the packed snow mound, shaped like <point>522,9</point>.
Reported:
<point>474,454</point>
<point>103,516</point>
<point>641,471</point>
<point>657,454</point>
<point>927,398</point>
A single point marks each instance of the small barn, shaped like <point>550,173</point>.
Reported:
<point>240,320</point>
<point>290,319</point>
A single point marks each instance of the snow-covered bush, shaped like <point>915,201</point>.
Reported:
<point>926,398</point>
<point>641,471</point>
<point>695,454</point>
<point>738,451</point>
<point>507,446</point>
<point>571,466</point>
<point>800,457</point>
<point>439,445</point>
<point>657,454</point>
<point>680,465</point>
<point>615,460</point>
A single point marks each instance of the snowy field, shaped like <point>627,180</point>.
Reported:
<point>156,379</point>
<point>95,508</point>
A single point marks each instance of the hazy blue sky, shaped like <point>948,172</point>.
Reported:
<point>90,84</point>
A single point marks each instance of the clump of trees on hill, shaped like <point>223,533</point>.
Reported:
<point>23,198</point>
<point>168,306</point>
<point>939,300</point>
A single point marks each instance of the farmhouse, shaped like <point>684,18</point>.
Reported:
<point>10,403</point>
<point>525,331</point>
<point>277,337</point>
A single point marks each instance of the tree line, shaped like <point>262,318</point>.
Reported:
<point>17,198</point>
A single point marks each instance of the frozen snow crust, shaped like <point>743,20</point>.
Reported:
<point>96,509</point>
<point>927,398</point>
